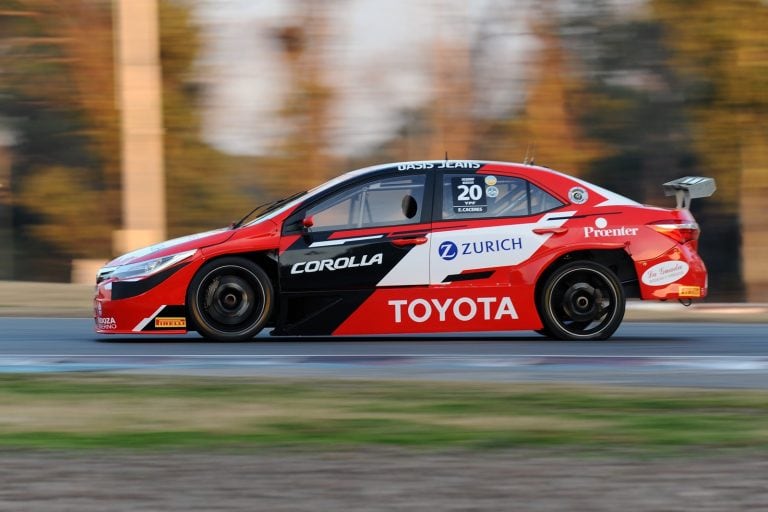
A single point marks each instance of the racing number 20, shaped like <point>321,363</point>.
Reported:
<point>470,192</point>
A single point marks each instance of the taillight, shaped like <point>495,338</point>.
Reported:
<point>680,232</point>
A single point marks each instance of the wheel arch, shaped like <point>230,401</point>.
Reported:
<point>591,308</point>
<point>617,260</point>
<point>266,259</point>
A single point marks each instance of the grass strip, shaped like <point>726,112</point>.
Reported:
<point>140,412</point>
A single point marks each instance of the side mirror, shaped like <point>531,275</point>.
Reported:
<point>308,222</point>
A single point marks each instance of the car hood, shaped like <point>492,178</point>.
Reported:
<point>176,245</point>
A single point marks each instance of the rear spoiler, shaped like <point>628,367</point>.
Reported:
<point>690,187</point>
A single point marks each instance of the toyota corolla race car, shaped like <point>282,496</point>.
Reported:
<point>417,247</point>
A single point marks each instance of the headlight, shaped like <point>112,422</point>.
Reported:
<point>135,271</point>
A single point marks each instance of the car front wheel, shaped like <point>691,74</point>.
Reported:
<point>230,299</point>
<point>582,300</point>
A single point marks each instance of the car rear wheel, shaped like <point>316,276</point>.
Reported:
<point>582,300</point>
<point>230,299</point>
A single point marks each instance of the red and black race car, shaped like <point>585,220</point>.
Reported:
<point>417,247</point>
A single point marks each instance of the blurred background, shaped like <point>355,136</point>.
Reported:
<point>124,122</point>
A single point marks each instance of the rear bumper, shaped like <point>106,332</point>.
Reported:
<point>679,273</point>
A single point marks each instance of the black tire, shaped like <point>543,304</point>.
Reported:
<point>582,300</point>
<point>230,299</point>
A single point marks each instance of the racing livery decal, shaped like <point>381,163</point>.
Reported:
<point>665,273</point>
<point>449,250</point>
<point>106,323</point>
<point>340,263</point>
<point>578,195</point>
<point>170,323</point>
<point>439,309</point>
<point>690,291</point>
<point>469,195</point>
<point>461,250</point>
<point>463,309</point>
<point>443,164</point>
<point>601,230</point>
<point>165,318</point>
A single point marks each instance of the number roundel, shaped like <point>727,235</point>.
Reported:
<point>470,192</point>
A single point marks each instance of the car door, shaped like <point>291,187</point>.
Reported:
<point>484,225</point>
<point>339,248</point>
<point>485,228</point>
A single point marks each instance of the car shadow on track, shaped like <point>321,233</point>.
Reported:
<point>194,338</point>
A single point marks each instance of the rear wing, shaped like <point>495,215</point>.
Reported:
<point>690,187</point>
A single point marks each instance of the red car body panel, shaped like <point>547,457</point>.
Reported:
<point>437,274</point>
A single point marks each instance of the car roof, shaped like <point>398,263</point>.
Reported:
<point>611,198</point>
<point>440,165</point>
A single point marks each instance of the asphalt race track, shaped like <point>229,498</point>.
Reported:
<point>717,355</point>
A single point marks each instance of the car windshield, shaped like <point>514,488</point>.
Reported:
<point>267,208</point>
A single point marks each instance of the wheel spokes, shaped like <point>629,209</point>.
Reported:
<point>584,303</point>
<point>229,300</point>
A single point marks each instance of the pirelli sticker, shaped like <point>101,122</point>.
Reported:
<point>170,323</point>
<point>689,291</point>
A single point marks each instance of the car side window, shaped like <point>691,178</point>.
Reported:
<point>542,201</point>
<point>469,196</point>
<point>385,202</point>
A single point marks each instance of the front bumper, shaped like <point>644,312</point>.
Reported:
<point>152,305</point>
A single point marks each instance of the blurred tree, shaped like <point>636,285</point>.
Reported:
<point>303,159</point>
<point>57,87</point>
<point>630,102</point>
<point>451,130</point>
<point>721,52</point>
<point>638,105</point>
<point>6,218</point>
<point>549,122</point>
<point>205,188</point>
<point>544,125</point>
